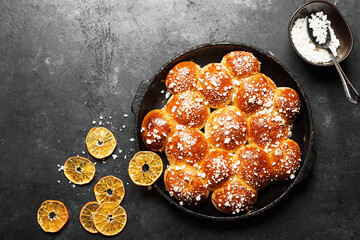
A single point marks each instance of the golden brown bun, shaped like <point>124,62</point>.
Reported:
<point>186,146</point>
<point>287,103</point>
<point>216,168</point>
<point>188,109</point>
<point>267,130</point>
<point>252,164</point>
<point>241,64</point>
<point>156,127</point>
<point>255,93</point>
<point>226,129</point>
<point>215,83</point>
<point>183,183</point>
<point>182,77</point>
<point>234,197</point>
<point>285,160</point>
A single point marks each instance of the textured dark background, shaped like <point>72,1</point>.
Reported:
<point>64,63</point>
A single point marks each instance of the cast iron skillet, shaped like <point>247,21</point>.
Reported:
<point>149,96</point>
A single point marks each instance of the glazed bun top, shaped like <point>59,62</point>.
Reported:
<point>285,160</point>
<point>252,164</point>
<point>241,64</point>
<point>182,77</point>
<point>287,103</point>
<point>255,93</point>
<point>234,197</point>
<point>188,109</point>
<point>183,183</point>
<point>215,83</point>
<point>227,128</point>
<point>156,127</point>
<point>216,168</point>
<point>186,146</point>
<point>267,130</point>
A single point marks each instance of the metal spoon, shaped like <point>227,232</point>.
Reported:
<point>344,80</point>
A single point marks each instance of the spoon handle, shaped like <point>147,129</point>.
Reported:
<point>346,82</point>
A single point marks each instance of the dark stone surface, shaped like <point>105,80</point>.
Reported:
<point>65,63</point>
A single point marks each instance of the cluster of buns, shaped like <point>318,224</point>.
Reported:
<point>224,130</point>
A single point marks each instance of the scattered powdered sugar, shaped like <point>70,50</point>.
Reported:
<point>303,43</point>
<point>102,121</point>
<point>278,153</point>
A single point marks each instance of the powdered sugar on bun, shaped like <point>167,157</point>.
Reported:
<point>254,94</point>
<point>189,109</point>
<point>285,160</point>
<point>234,197</point>
<point>182,77</point>
<point>227,128</point>
<point>217,168</point>
<point>287,103</point>
<point>252,164</point>
<point>184,184</point>
<point>156,127</point>
<point>186,146</point>
<point>241,64</point>
<point>215,83</point>
<point>267,131</point>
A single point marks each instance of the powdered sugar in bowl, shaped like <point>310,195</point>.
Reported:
<point>342,37</point>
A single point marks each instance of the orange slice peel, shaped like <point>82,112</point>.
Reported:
<point>145,168</point>
<point>109,189</point>
<point>87,215</point>
<point>52,216</point>
<point>100,142</point>
<point>79,170</point>
<point>110,219</point>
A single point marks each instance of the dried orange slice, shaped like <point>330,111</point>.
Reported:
<point>100,142</point>
<point>52,216</point>
<point>109,189</point>
<point>145,168</point>
<point>79,170</point>
<point>110,218</point>
<point>87,215</point>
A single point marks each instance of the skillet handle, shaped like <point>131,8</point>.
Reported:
<point>310,160</point>
<point>139,96</point>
